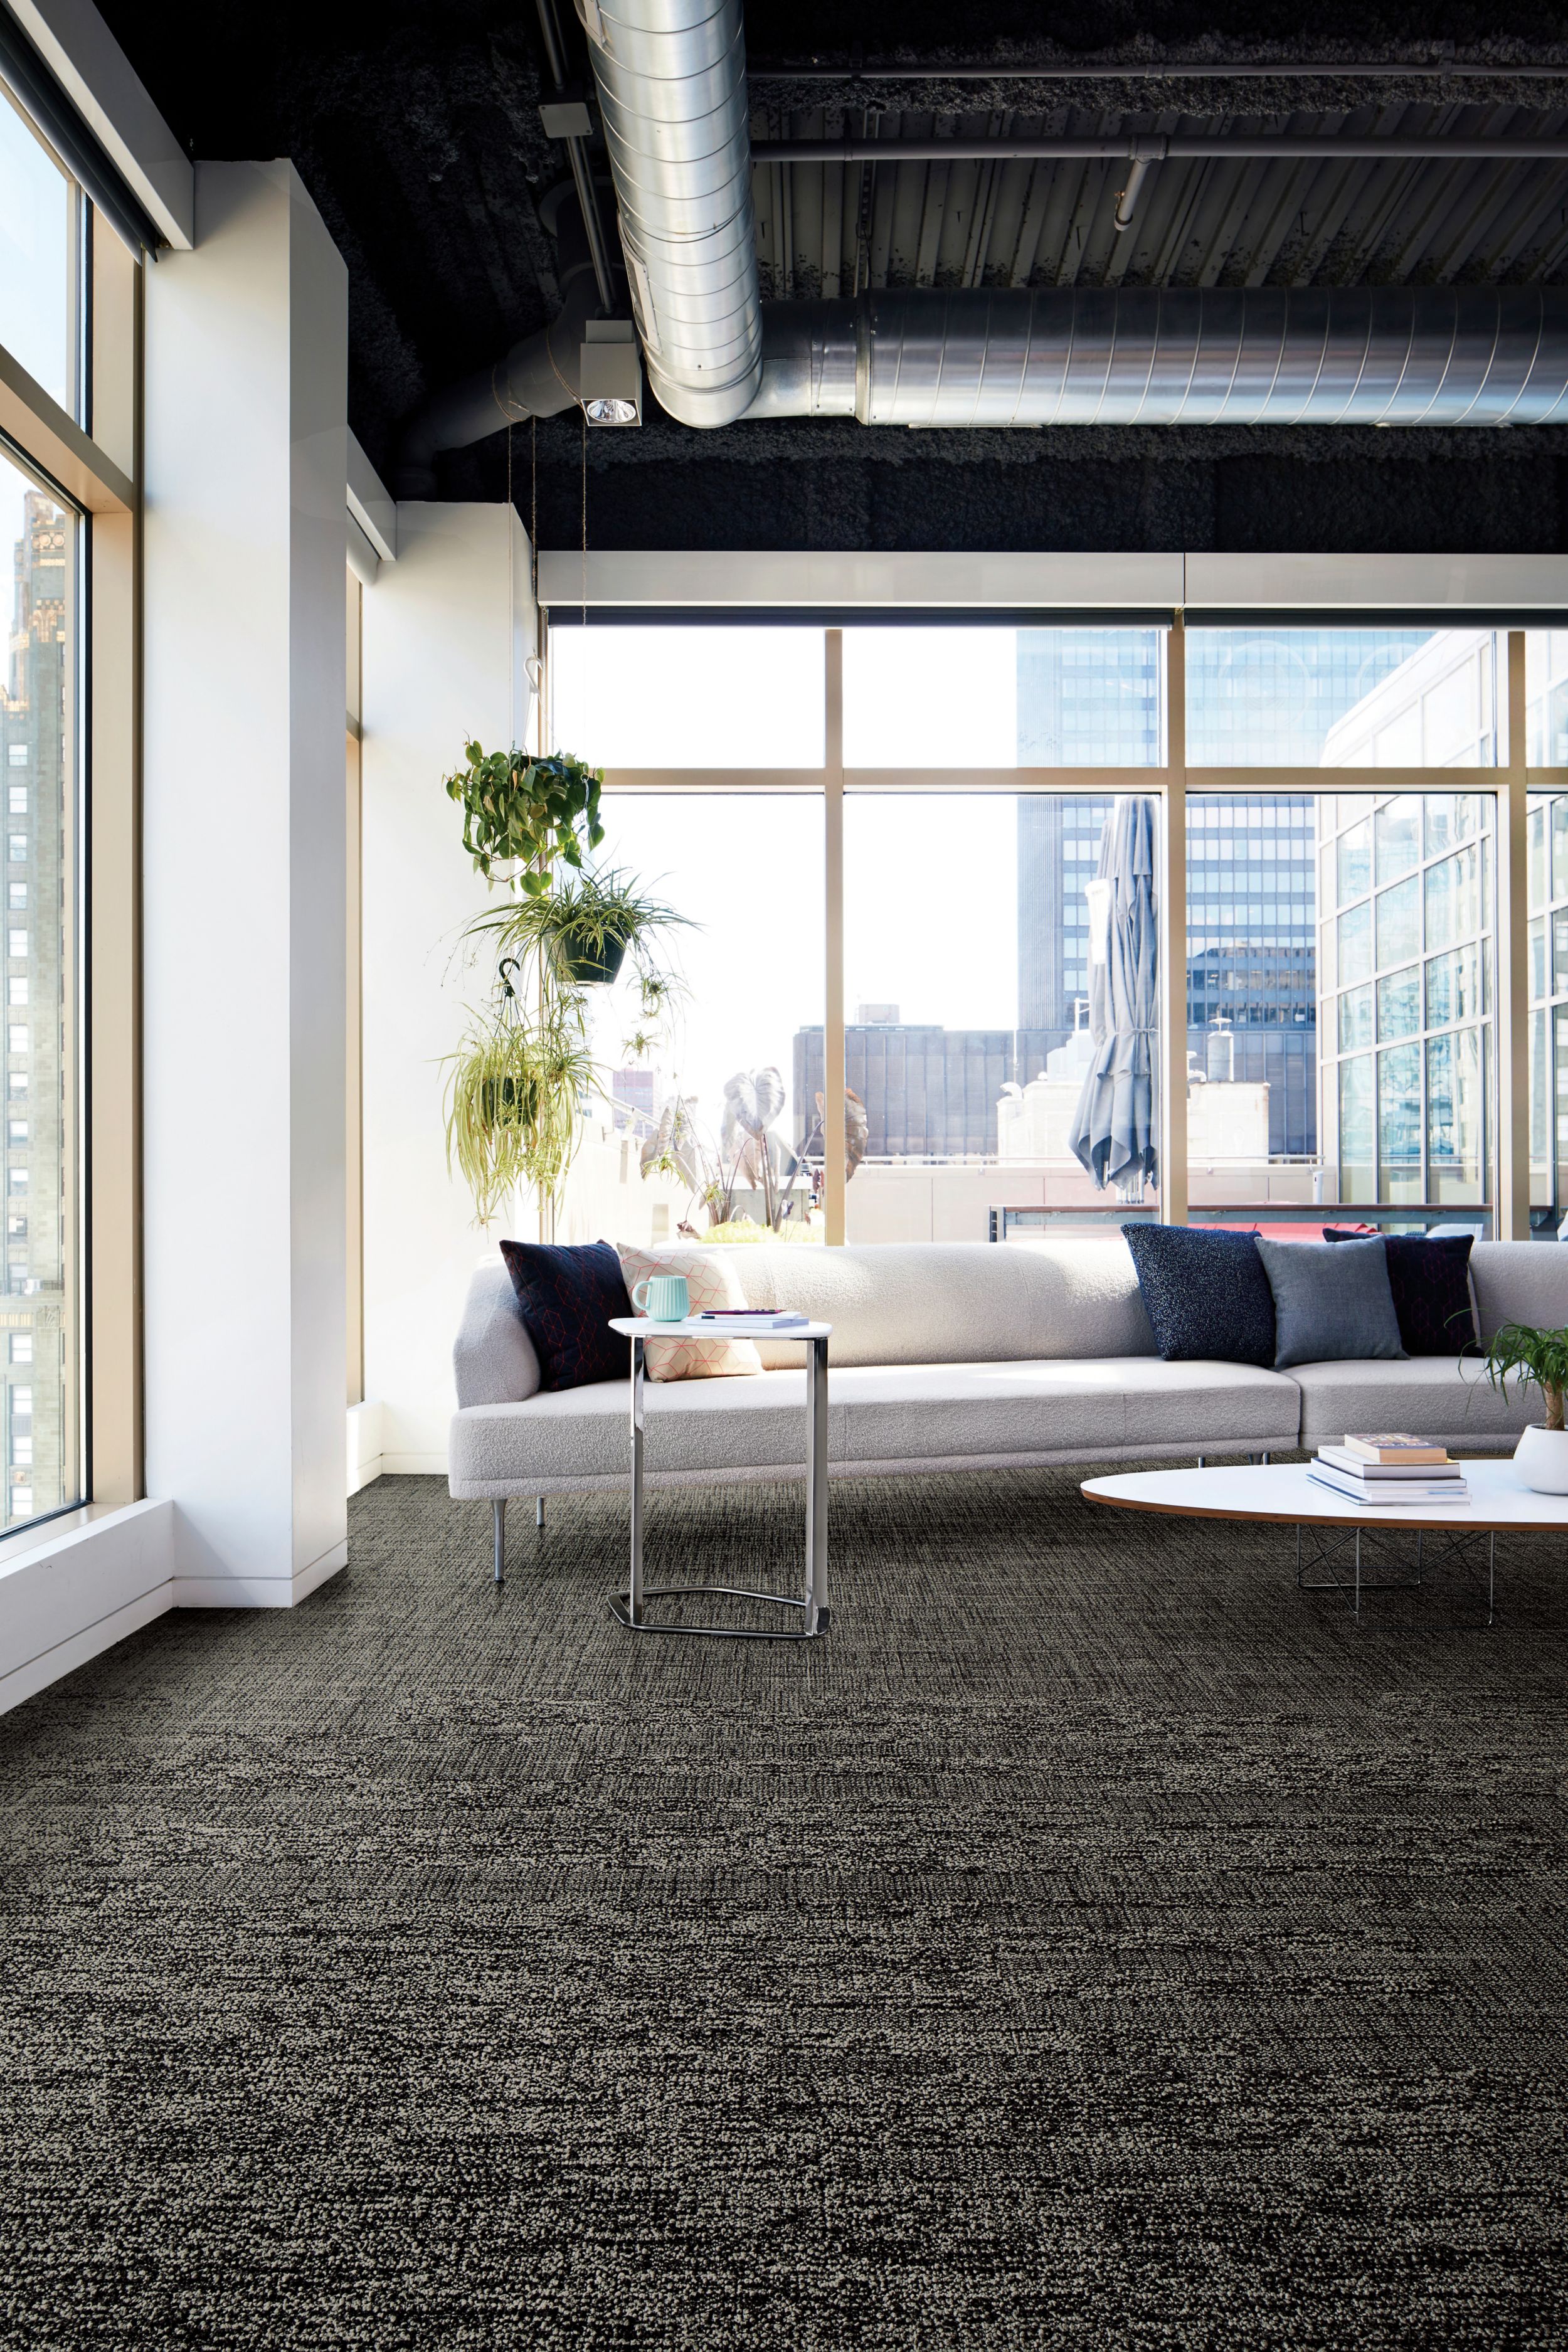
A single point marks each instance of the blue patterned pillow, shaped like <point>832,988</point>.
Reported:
<point>1429,1276</point>
<point>1206,1294</point>
<point>567,1296</point>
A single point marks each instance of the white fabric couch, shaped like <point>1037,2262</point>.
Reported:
<point>967,1355</point>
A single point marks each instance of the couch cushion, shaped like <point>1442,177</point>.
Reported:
<point>954,1302</point>
<point>1444,1397</point>
<point>1330,1302</point>
<point>710,1278</point>
<point>1521,1282</point>
<point>493,1360</point>
<point>1429,1278</point>
<point>750,1425</point>
<point>567,1294</point>
<point>1206,1294</point>
<point>899,1413</point>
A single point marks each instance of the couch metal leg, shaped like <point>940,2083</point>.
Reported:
<point>539,1510</point>
<point>499,1511</point>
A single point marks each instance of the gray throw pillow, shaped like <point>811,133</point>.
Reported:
<point>1331,1302</point>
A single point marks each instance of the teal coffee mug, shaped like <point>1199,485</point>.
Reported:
<point>667,1299</point>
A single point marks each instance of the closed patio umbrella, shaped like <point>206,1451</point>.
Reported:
<point>1113,1130</point>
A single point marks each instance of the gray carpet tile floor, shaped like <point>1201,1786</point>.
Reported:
<point>1093,1941</point>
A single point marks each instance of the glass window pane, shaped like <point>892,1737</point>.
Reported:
<point>1399,921</point>
<point>1453,987</point>
<point>1355,946</point>
<point>748,1004</point>
<point>1455,1123</point>
<point>1538,988</point>
<point>1546,697</point>
<point>1398,836</point>
<point>1002,698</point>
<point>1355,1019</point>
<point>1559,952</point>
<point>697,698</point>
<point>1560,1058</point>
<point>1341,698</point>
<point>1357,1161</point>
<point>1540,1074</point>
<point>1399,1124</point>
<point>1450,818</point>
<point>42,1263</point>
<point>36,276</point>
<point>1355,862</point>
<point>1559,845</point>
<point>1398,1005</point>
<point>1535,836</point>
<point>968,1043</point>
<point>1453,899</point>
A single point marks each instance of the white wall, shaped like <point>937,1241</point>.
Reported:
<point>447,632</point>
<point>244,890</point>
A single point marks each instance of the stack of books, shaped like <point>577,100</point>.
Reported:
<point>1390,1469</point>
<point>752,1322</point>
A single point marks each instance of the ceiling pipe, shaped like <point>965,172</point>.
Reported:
<point>1332,147</point>
<point>672,80</point>
<point>1427,355</point>
<point>538,377</point>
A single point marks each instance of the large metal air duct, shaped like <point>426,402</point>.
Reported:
<point>671,77</point>
<point>1331,355</point>
<point>538,377</point>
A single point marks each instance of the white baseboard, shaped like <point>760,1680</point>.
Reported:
<point>75,1585</point>
<point>414,1465</point>
<point>258,1591</point>
<point>364,1461</point>
<point>27,1680</point>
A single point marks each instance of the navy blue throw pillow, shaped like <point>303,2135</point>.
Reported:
<point>1206,1294</point>
<point>567,1296</point>
<point>1430,1282</point>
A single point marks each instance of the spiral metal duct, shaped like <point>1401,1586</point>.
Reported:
<point>671,77</point>
<point>1275,355</point>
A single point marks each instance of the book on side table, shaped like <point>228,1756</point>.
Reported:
<point>1390,1471</point>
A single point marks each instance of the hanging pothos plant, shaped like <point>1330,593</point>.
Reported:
<point>536,807</point>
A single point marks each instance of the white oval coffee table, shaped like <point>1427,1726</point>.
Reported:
<point>1500,1503</point>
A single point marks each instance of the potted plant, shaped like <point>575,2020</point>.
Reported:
<point>513,1101</point>
<point>1519,1351</point>
<point>582,928</point>
<point>538,808</point>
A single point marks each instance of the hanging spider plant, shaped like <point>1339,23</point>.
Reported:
<point>580,931</point>
<point>514,1093</point>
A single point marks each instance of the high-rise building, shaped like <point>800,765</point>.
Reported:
<point>929,1092</point>
<point>33,721</point>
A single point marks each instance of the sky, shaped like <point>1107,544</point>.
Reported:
<point>35,257</point>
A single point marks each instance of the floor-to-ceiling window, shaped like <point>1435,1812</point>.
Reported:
<point>1340,1028</point>
<point>67,298</point>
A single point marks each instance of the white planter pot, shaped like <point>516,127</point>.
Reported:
<point>1541,1457</point>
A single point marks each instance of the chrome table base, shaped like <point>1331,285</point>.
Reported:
<point>1329,1546</point>
<point>629,1608</point>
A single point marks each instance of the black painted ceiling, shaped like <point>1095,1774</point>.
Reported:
<point>415,126</point>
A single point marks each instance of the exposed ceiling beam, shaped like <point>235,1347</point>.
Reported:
<point>1141,70</point>
<point>1150,148</point>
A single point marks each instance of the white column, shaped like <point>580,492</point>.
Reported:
<point>244,890</point>
<point>447,629</point>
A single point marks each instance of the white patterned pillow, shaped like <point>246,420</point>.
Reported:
<point>710,1281</point>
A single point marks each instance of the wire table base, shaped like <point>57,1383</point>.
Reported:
<point>1339,1548</point>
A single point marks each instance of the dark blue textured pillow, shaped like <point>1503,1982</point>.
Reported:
<point>1206,1294</point>
<point>1430,1282</point>
<point>567,1296</point>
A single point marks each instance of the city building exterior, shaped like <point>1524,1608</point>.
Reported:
<point>35,718</point>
